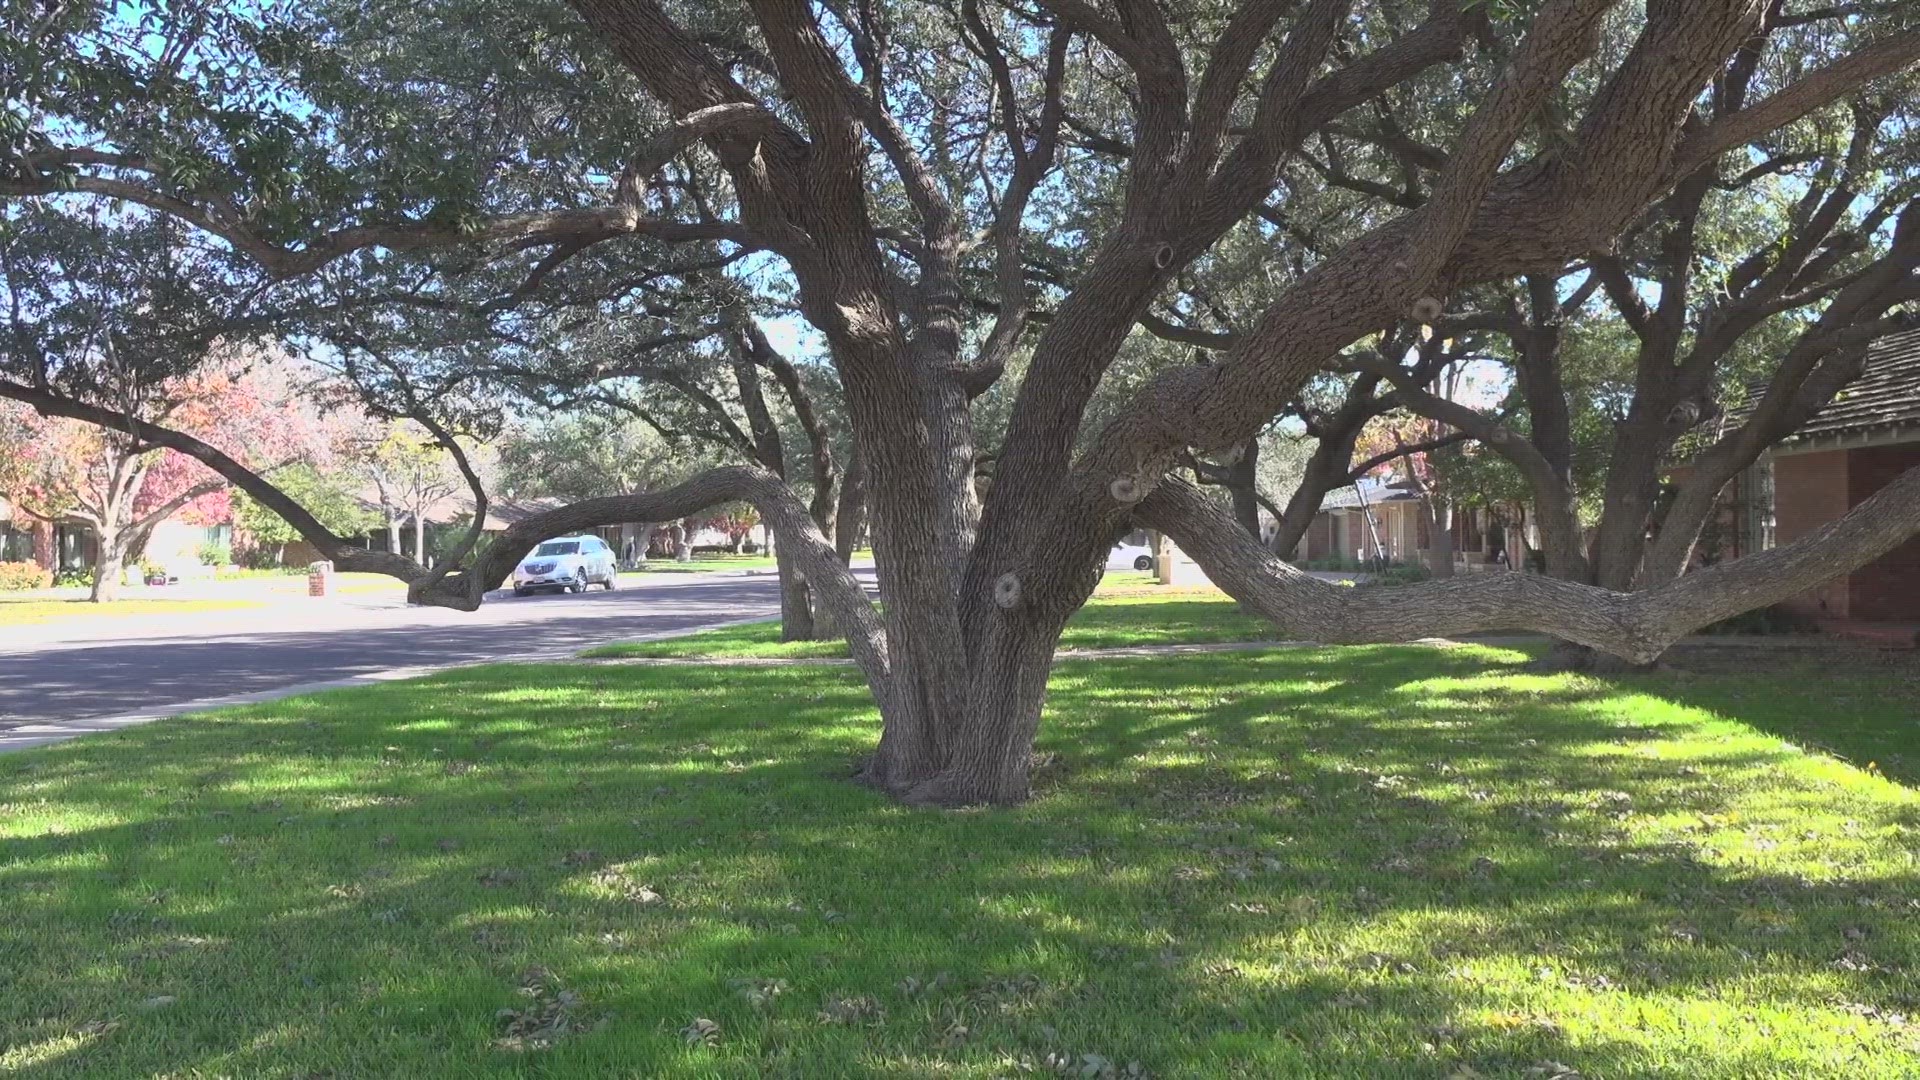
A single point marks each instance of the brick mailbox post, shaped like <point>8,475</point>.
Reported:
<point>320,579</point>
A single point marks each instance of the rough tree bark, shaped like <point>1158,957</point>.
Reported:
<point>1635,626</point>
<point>111,560</point>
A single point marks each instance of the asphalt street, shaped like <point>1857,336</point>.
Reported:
<point>79,669</point>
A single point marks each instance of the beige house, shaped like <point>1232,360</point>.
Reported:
<point>1376,520</point>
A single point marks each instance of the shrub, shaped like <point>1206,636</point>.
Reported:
<point>1334,563</point>
<point>1397,574</point>
<point>259,556</point>
<point>215,554</point>
<point>81,576</point>
<point>15,576</point>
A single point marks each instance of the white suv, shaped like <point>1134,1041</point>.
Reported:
<point>569,563</point>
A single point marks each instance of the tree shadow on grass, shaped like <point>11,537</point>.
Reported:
<point>1367,863</point>
<point>1859,705</point>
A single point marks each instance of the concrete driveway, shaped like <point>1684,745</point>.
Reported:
<point>58,679</point>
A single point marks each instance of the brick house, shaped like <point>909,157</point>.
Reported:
<point>69,544</point>
<point>25,538</point>
<point>1869,434</point>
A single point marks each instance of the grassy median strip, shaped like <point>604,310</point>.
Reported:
<point>22,612</point>
<point>1360,862</point>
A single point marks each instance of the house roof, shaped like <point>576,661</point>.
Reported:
<point>1885,396</point>
<point>1376,491</point>
<point>502,513</point>
<point>458,508</point>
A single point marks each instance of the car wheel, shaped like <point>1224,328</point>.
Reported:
<point>522,592</point>
<point>580,580</point>
<point>1144,562</point>
<point>613,578</point>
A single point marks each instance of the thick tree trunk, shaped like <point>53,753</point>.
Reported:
<point>110,562</point>
<point>991,760</point>
<point>796,606</point>
<point>796,603</point>
<point>1671,549</point>
<point>1633,481</point>
<point>1439,535</point>
<point>1326,470</point>
<point>1241,484</point>
<point>851,515</point>
<point>682,542</point>
<point>952,429</point>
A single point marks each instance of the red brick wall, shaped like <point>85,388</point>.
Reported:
<point>1320,536</point>
<point>1810,490</point>
<point>299,553</point>
<point>43,544</point>
<point>1888,587</point>
<point>1356,536</point>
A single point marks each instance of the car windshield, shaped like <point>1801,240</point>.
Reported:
<point>555,547</point>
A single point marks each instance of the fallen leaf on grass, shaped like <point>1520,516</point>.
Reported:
<point>551,1014</point>
<point>854,1009</point>
<point>98,1027</point>
<point>759,992</point>
<point>702,1032</point>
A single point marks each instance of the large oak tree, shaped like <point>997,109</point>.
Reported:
<point>900,187</point>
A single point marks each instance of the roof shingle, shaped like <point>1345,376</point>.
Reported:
<point>1885,395</point>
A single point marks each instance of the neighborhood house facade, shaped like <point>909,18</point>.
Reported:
<point>1854,446</point>
<point>1864,438</point>
<point>59,546</point>
<point>1375,520</point>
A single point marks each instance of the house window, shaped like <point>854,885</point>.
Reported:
<point>16,544</point>
<point>71,550</point>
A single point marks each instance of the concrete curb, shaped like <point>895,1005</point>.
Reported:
<point>29,735</point>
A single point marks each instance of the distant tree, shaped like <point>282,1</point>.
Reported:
<point>587,454</point>
<point>121,486</point>
<point>738,523</point>
<point>332,496</point>
<point>411,475</point>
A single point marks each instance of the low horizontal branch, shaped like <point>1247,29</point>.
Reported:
<point>1636,626</point>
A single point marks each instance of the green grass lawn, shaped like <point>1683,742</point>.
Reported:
<point>703,564</point>
<point>706,563</point>
<point>1369,862</point>
<point>1125,613</point>
<point>20,611</point>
